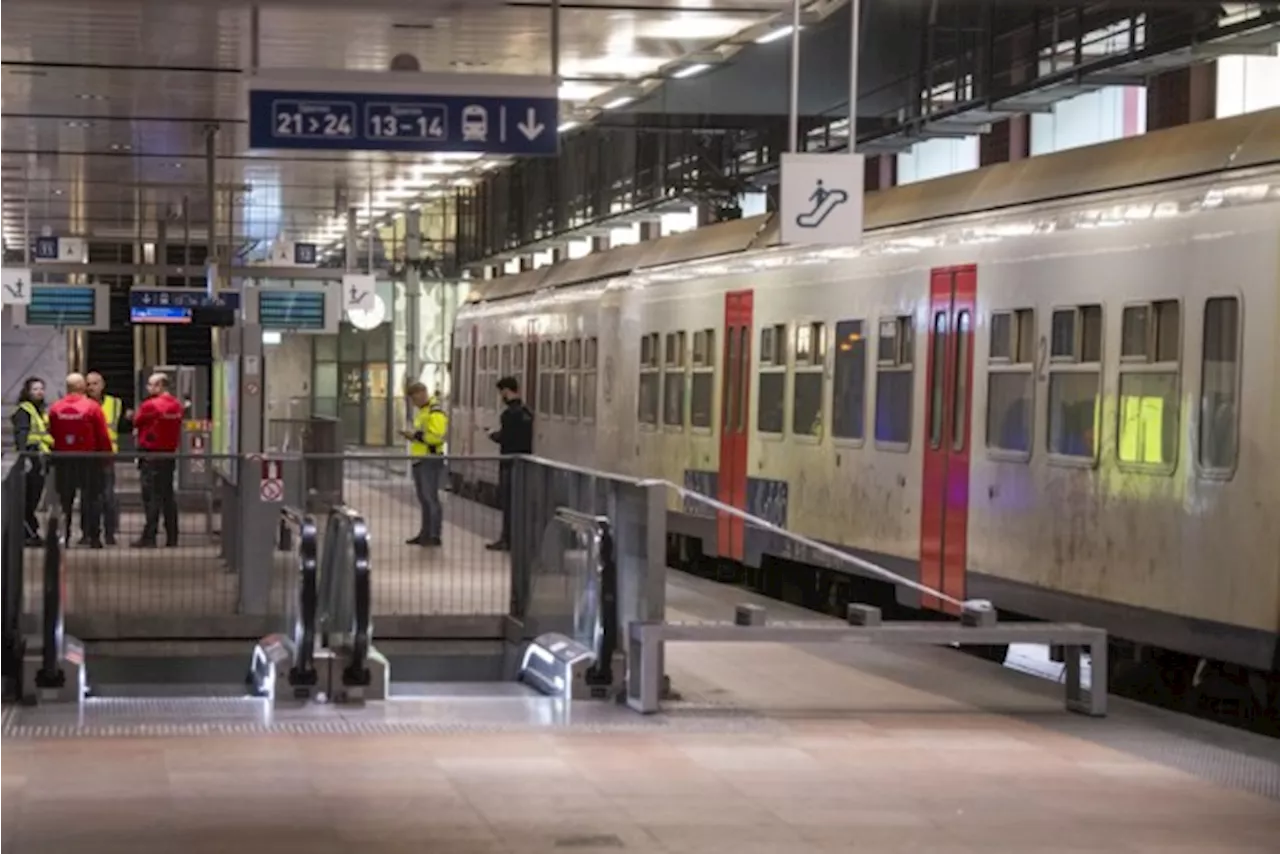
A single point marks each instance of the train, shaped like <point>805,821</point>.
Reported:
<point>1052,384</point>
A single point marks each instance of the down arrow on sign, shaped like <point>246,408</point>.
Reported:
<point>531,127</point>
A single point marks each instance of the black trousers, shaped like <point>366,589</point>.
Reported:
<point>504,499</point>
<point>158,499</point>
<point>83,477</point>
<point>108,504</point>
<point>33,489</point>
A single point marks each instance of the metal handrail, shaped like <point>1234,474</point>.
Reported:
<point>50,675</point>
<point>357,673</point>
<point>304,629</point>
<point>601,673</point>
<point>14,547</point>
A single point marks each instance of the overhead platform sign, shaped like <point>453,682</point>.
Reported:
<point>403,111</point>
<point>822,199</point>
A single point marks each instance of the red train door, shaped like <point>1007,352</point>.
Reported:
<point>734,428</point>
<point>944,516</point>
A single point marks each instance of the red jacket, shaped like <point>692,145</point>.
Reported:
<point>158,424</point>
<point>78,426</point>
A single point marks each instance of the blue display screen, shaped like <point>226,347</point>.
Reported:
<point>159,314</point>
<point>67,305</point>
<point>284,310</point>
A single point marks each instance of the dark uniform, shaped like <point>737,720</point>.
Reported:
<point>31,438</point>
<point>514,436</point>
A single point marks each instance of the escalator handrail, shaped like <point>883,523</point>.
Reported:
<point>15,542</point>
<point>305,630</point>
<point>602,671</point>
<point>362,620</point>
<point>50,674</point>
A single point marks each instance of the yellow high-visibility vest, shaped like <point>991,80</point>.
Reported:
<point>432,422</point>
<point>111,409</point>
<point>38,437</point>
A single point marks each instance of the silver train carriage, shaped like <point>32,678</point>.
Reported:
<point>1054,384</point>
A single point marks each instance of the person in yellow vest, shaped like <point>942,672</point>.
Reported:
<point>113,410</point>
<point>426,450</point>
<point>32,439</point>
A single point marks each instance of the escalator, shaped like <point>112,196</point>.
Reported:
<point>110,353</point>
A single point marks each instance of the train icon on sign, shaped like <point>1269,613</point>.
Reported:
<point>475,123</point>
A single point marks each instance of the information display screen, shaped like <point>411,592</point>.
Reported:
<point>291,310</point>
<point>66,305</point>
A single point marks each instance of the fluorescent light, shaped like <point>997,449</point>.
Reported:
<point>272,336</point>
<point>780,33</point>
<point>619,102</point>
<point>690,70</point>
<point>567,126</point>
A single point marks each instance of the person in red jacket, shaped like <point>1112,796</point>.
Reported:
<point>158,427</point>
<point>81,447</point>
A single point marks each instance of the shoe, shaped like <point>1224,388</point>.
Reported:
<point>172,544</point>
<point>110,539</point>
<point>415,541</point>
<point>434,541</point>
<point>83,541</point>
<point>95,544</point>
<point>143,544</point>
<point>499,546</point>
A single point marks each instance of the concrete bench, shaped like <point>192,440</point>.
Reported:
<point>863,625</point>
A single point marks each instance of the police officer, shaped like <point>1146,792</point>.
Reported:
<point>158,426</point>
<point>514,436</point>
<point>113,412</point>
<point>31,439</point>
<point>81,448</point>
<point>426,447</point>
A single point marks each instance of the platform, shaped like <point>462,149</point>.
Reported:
<point>771,749</point>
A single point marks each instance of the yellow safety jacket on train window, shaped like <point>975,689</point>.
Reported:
<point>431,422</point>
<point>38,437</point>
<point>111,409</point>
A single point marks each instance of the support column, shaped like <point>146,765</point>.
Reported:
<point>412,294</point>
<point>880,172</point>
<point>1182,96</point>
<point>526,263</point>
<point>600,243</point>
<point>1007,141</point>
<point>559,253</point>
<point>650,229</point>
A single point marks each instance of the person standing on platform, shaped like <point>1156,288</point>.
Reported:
<point>514,436</point>
<point>31,439</point>
<point>81,448</point>
<point>158,427</point>
<point>426,448</point>
<point>113,412</point>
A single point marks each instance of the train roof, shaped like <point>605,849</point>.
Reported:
<point>1182,152</point>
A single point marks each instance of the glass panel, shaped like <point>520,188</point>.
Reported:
<point>326,348</point>
<point>1001,335</point>
<point>649,397</point>
<point>1168,329</point>
<point>1148,431</point>
<point>589,396</point>
<point>1073,413</point>
<point>352,383</point>
<point>325,380</point>
<point>744,365</point>
<point>1133,331</point>
<point>1091,333</point>
<point>806,408</point>
<point>960,396</point>
<point>558,393</point>
<point>1010,410</point>
<point>730,402</point>
<point>350,344</point>
<point>1220,383</point>
<point>1026,336</point>
<point>1063,334</point>
<point>850,385</point>
<point>575,395</point>
<point>937,378</point>
<point>673,399</point>
<point>769,402</point>
<point>893,406</point>
<point>700,399</point>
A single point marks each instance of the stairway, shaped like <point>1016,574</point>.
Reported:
<point>110,353</point>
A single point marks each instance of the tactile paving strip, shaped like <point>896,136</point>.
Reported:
<point>169,717</point>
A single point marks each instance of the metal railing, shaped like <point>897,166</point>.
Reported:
<point>50,674</point>
<point>303,671</point>
<point>357,671</point>
<point>14,544</point>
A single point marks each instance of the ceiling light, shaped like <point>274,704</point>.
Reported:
<point>79,124</point>
<point>780,33</point>
<point>121,146</point>
<point>690,70</point>
<point>619,102</point>
<point>577,90</point>
<point>567,126</point>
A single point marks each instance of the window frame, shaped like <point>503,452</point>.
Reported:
<point>773,367</point>
<point>590,368</point>
<point>1004,365</point>
<point>709,365</point>
<point>897,365</point>
<point>849,441</point>
<point>1147,364</point>
<point>816,364</point>
<point>1073,365</point>
<point>649,367</point>
<point>675,364</point>
<point>1213,473</point>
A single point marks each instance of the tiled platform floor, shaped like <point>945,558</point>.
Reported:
<point>775,749</point>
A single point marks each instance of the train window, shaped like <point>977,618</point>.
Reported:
<point>810,360</point>
<point>1011,382</point>
<point>544,378</point>
<point>702,383</point>
<point>1220,384</point>
<point>960,392</point>
<point>895,357</point>
<point>457,375</point>
<point>674,356</point>
<point>937,377</point>
<point>773,345</point>
<point>558,380</point>
<point>1075,382</point>
<point>1149,406</point>
<point>850,383</point>
<point>575,354</point>
<point>517,360</point>
<point>506,360</point>
<point>590,356</point>
<point>650,380</point>
<point>673,382</point>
